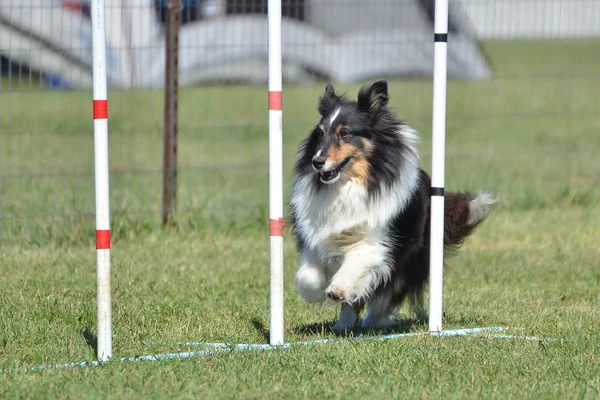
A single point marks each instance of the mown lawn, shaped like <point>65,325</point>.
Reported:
<point>530,135</point>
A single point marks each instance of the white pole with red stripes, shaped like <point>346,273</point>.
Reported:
<point>438,165</point>
<point>100,112</point>
<point>275,173</point>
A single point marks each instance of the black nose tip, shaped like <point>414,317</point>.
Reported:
<point>318,162</point>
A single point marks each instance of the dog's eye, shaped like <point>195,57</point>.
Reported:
<point>344,133</point>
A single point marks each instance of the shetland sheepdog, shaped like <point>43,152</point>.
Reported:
<point>360,211</point>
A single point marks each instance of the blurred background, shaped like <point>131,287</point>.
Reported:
<point>523,73</point>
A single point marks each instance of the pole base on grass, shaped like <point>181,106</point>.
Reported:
<point>209,348</point>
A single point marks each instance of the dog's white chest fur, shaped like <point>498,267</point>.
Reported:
<point>345,213</point>
<point>334,218</point>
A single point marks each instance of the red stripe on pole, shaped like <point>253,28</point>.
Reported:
<point>276,227</point>
<point>276,100</point>
<point>102,239</point>
<point>100,109</point>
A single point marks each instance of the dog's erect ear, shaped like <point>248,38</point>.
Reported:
<point>329,90</point>
<point>328,100</point>
<point>374,97</point>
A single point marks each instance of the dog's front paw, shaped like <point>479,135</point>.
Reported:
<point>336,294</point>
<point>339,294</point>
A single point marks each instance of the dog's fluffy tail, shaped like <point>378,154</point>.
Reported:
<point>463,213</point>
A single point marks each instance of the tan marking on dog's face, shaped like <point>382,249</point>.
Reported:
<point>359,170</point>
<point>337,154</point>
<point>367,146</point>
<point>359,166</point>
<point>338,129</point>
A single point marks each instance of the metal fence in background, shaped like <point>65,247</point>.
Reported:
<point>46,143</point>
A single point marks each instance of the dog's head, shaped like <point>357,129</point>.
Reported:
<point>341,144</point>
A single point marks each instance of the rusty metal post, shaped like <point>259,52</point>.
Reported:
<point>171,98</point>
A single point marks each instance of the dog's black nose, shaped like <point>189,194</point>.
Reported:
<point>318,162</point>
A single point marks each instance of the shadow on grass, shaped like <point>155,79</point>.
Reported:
<point>91,339</point>
<point>260,327</point>
<point>326,328</point>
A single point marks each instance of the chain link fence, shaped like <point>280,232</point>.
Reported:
<point>498,50</point>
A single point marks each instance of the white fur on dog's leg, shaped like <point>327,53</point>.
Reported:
<point>310,279</point>
<point>363,268</point>
<point>347,319</point>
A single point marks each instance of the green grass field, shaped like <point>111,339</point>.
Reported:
<point>531,136</point>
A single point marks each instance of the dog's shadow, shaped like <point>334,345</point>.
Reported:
<point>325,328</point>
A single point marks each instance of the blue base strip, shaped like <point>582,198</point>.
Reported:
<point>214,348</point>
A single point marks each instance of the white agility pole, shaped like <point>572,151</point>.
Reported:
<point>100,112</point>
<point>275,173</point>
<point>438,165</point>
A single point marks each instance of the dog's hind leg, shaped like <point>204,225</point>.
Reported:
<point>417,306</point>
